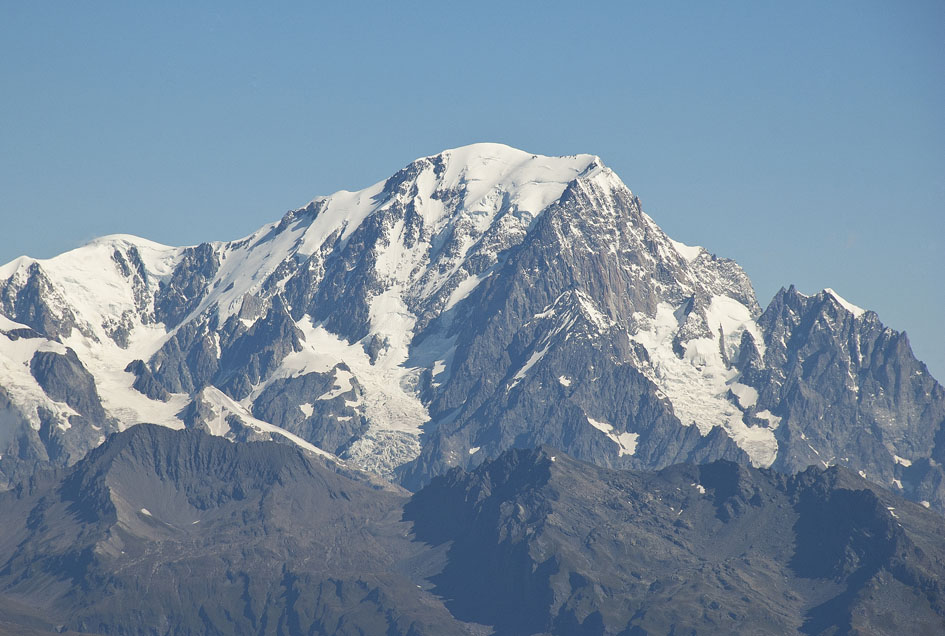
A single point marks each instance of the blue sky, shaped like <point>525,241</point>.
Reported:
<point>806,140</point>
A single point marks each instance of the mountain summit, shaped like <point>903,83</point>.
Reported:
<point>479,299</point>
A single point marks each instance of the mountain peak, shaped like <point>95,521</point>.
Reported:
<point>495,157</point>
<point>485,164</point>
<point>846,304</point>
<point>486,171</point>
<point>486,150</point>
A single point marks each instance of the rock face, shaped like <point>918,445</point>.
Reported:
<point>478,300</point>
<point>167,532</point>
<point>63,378</point>
<point>848,390</point>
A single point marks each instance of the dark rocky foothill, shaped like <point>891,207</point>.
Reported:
<point>169,532</point>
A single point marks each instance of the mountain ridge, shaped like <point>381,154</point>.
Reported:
<point>162,531</point>
<point>478,299</point>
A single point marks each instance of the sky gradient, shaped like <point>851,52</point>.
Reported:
<point>805,140</point>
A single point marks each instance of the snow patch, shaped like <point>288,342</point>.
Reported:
<point>773,420</point>
<point>747,396</point>
<point>601,321</point>
<point>698,383</point>
<point>601,426</point>
<point>390,400</point>
<point>688,252</point>
<point>380,450</point>
<point>223,405</point>
<point>532,361</point>
<point>853,309</point>
<point>341,386</point>
<point>106,361</point>
<point>8,325</point>
<point>902,460</point>
<point>626,442</point>
<point>463,290</point>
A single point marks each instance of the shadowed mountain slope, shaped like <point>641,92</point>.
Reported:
<point>172,532</point>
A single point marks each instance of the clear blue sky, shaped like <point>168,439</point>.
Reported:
<point>804,139</point>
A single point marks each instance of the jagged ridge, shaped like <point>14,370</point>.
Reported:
<point>477,300</point>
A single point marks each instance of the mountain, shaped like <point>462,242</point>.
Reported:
<point>478,300</point>
<point>170,532</point>
<point>166,532</point>
<point>539,542</point>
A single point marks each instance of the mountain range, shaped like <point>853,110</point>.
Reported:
<point>492,376</point>
<point>180,532</point>
<point>477,300</point>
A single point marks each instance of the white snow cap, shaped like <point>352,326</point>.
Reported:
<point>485,167</point>
<point>853,309</point>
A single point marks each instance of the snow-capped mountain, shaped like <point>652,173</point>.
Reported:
<point>479,299</point>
